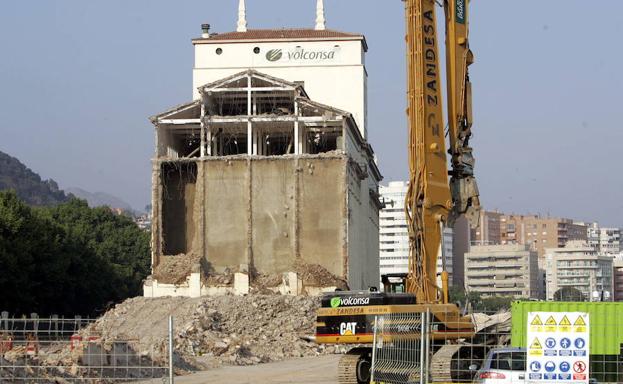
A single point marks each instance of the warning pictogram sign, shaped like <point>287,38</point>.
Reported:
<point>551,321</point>
<point>579,325</point>
<point>564,324</point>
<point>565,321</point>
<point>536,321</point>
<point>579,367</point>
<point>551,325</point>
<point>536,344</point>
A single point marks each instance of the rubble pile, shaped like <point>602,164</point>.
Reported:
<point>219,330</point>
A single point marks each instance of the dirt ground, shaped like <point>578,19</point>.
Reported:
<point>317,370</point>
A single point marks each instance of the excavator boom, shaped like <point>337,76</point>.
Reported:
<point>431,201</point>
<point>428,200</point>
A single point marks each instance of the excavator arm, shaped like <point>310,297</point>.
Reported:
<point>459,57</point>
<point>432,202</point>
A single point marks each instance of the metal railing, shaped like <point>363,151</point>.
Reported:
<point>400,350</point>
<point>73,350</point>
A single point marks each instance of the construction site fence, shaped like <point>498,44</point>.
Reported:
<point>56,349</point>
<point>415,348</point>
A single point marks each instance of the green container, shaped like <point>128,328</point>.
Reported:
<point>606,322</point>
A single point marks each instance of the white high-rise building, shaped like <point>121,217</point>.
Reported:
<point>394,236</point>
<point>578,265</point>
<point>604,240</point>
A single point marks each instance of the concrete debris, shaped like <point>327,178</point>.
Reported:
<point>221,330</point>
<point>314,275</point>
<point>176,269</point>
<point>500,322</point>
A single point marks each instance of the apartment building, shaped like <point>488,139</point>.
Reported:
<point>540,232</point>
<point>579,266</point>
<point>489,231</point>
<point>502,270</point>
<point>617,275</point>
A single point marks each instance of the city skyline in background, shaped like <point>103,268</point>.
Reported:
<point>78,90</point>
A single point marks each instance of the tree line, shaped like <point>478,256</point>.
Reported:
<point>68,259</point>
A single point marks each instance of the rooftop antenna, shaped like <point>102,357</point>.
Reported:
<point>242,17</point>
<point>320,19</point>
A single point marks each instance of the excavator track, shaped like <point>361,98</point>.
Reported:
<point>349,365</point>
<point>441,363</point>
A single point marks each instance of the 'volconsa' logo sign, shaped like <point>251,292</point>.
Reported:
<point>300,54</point>
<point>349,301</point>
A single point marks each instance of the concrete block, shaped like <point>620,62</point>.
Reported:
<point>292,285</point>
<point>94,355</point>
<point>241,283</point>
<point>123,355</point>
<point>194,284</point>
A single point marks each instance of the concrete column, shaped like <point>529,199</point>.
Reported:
<point>297,133</point>
<point>249,113</point>
<point>203,133</point>
<point>250,138</point>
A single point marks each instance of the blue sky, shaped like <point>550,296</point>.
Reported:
<point>78,80</point>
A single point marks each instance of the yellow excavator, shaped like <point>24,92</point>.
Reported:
<point>432,200</point>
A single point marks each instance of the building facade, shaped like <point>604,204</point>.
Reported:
<point>617,275</point>
<point>488,231</point>
<point>394,236</point>
<point>578,265</point>
<point>502,270</point>
<point>540,232</point>
<point>255,175</point>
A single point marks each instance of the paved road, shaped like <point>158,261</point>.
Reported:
<point>317,370</point>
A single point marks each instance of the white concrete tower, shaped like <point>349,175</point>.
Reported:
<point>320,19</point>
<point>242,17</point>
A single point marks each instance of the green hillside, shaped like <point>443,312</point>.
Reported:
<point>28,185</point>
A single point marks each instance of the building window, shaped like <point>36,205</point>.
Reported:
<point>256,50</point>
<point>219,51</point>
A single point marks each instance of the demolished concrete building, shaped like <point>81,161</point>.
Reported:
<point>256,180</point>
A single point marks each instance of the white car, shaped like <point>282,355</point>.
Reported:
<point>503,366</point>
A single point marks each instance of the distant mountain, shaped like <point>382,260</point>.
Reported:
<point>98,199</point>
<point>27,184</point>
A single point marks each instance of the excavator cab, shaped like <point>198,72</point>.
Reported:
<point>394,282</point>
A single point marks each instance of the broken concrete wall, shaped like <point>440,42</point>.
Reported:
<point>270,213</point>
<point>273,214</point>
<point>226,210</point>
<point>322,213</point>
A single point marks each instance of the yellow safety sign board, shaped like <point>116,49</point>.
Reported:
<point>579,321</point>
<point>537,321</point>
